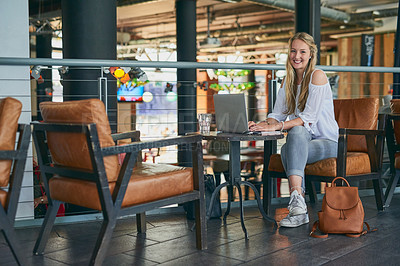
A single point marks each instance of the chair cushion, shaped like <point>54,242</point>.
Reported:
<point>10,110</point>
<point>397,160</point>
<point>149,182</point>
<point>71,149</point>
<point>275,163</point>
<point>3,197</point>
<point>359,113</point>
<point>357,163</point>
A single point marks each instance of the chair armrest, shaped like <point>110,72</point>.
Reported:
<point>374,152</point>
<point>365,132</point>
<point>133,135</point>
<point>393,116</point>
<point>140,145</point>
<point>9,155</point>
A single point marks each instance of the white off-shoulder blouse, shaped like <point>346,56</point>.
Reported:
<point>318,115</point>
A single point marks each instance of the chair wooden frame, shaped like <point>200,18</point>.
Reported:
<point>7,215</point>
<point>375,143</point>
<point>393,147</point>
<point>111,203</point>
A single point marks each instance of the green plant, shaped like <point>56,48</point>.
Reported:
<point>233,87</point>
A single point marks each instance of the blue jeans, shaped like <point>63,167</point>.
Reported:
<point>300,149</point>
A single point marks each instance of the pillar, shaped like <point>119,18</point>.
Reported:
<point>186,51</point>
<point>44,50</point>
<point>89,32</point>
<point>308,19</point>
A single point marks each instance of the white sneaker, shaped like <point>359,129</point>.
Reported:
<point>294,221</point>
<point>297,204</point>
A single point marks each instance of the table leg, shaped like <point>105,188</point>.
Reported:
<point>257,196</point>
<point>241,210</point>
<point>230,196</point>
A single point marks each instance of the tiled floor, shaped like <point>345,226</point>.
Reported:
<point>169,241</point>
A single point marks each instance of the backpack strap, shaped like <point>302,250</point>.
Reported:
<point>316,223</point>
<point>314,228</point>
<point>363,232</point>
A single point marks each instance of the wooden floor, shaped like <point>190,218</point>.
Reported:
<point>169,241</point>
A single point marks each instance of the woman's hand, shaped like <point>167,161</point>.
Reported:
<point>263,126</point>
<point>266,125</point>
<point>251,124</point>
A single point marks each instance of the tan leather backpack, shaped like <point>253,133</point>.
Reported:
<point>342,212</point>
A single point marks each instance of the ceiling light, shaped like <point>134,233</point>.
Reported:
<point>210,42</point>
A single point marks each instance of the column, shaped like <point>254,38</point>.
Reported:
<point>89,32</point>
<point>186,51</point>
<point>308,19</point>
<point>44,50</point>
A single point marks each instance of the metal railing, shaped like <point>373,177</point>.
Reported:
<point>147,120</point>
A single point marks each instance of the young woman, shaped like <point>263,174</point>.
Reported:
<point>304,107</point>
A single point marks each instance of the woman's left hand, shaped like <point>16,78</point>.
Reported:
<point>264,127</point>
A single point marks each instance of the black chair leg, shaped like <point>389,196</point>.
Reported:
<point>141,222</point>
<point>312,192</point>
<point>378,194</point>
<point>46,227</point>
<point>201,224</point>
<point>103,241</point>
<point>11,238</point>
<point>267,193</point>
<point>391,187</point>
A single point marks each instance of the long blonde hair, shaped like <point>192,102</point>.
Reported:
<point>291,79</point>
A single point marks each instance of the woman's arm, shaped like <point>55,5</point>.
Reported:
<point>277,126</point>
<point>319,78</point>
<point>276,115</point>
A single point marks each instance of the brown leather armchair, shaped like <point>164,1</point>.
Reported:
<point>83,169</point>
<point>12,166</point>
<point>360,150</point>
<point>393,140</point>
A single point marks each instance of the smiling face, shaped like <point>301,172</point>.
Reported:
<point>299,55</point>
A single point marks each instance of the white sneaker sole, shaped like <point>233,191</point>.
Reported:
<point>298,223</point>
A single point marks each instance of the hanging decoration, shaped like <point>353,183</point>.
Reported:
<point>232,87</point>
<point>129,77</point>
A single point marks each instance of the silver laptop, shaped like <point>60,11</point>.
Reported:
<point>231,113</point>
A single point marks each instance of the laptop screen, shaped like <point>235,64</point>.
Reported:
<point>231,113</point>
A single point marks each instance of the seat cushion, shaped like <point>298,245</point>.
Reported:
<point>3,197</point>
<point>357,163</point>
<point>275,163</point>
<point>397,160</point>
<point>70,149</point>
<point>10,110</point>
<point>149,182</point>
